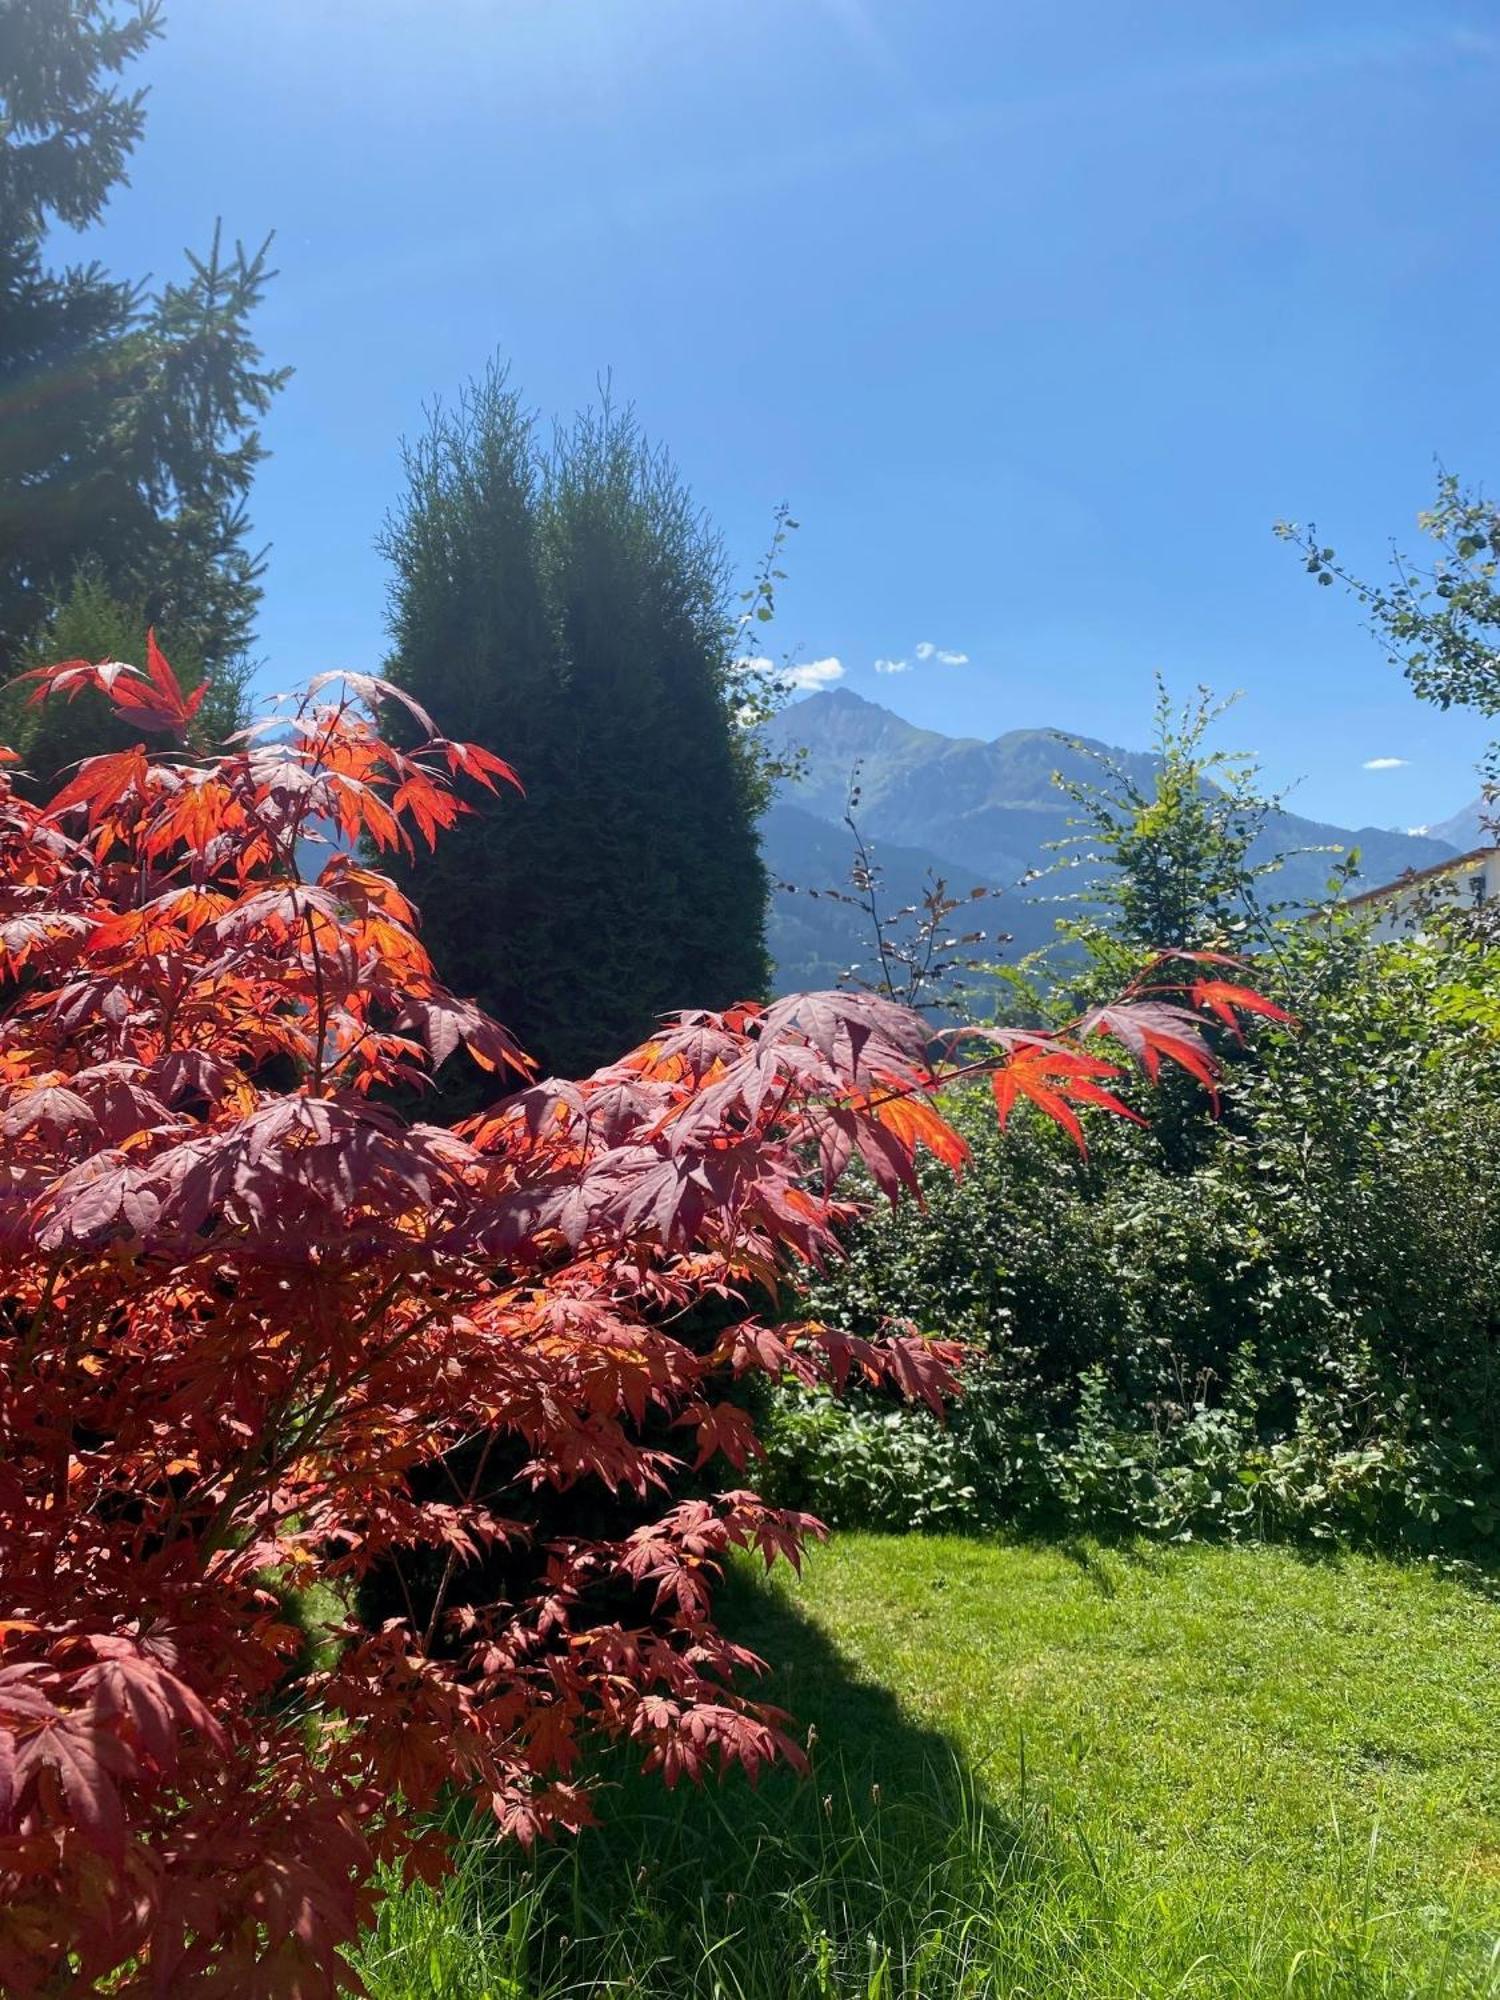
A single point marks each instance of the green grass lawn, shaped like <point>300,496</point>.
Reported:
<point>1041,1772</point>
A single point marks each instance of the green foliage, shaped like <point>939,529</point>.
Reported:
<point>572,604</point>
<point>1049,1774</point>
<point>881,1467</point>
<point>1283,1321</point>
<point>756,689</point>
<point>130,432</point>
<point>1441,624</point>
<point>1175,841</point>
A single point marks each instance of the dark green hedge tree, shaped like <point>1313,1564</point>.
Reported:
<point>570,605</point>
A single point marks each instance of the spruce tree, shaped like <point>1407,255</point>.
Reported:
<point>569,608</point>
<point>130,437</point>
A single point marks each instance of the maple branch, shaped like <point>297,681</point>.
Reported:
<point>322,1003</point>
<point>405,1589</point>
<point>452,1563</point>
<point>38,1319</point>
<point>865,879</point>
<point>254,1468</point>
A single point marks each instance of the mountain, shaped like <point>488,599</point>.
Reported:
<point>1467,829</point>
<point>815,939</point>
<point>990,806</point>
<point>973,812</point>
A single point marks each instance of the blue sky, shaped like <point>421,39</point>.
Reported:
<point>1038,316</point>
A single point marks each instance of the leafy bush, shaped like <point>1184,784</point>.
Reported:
<point>260,1336</point>
<point>884,1468</point>
<point>1282,1321</point>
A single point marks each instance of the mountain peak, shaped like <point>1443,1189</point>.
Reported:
<point>839,724</point>
<point>841,697</point>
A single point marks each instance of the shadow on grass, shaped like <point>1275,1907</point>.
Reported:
<point>1092,1549</point>
<point>884,1872</point>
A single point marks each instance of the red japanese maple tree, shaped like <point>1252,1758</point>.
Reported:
<point>257,1329</point>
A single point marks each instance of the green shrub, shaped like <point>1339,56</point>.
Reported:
<point>886,1468</point>
<point>1283,1321</point>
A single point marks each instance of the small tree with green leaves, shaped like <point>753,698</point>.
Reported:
<point>1173,858</point>
<point>1170,857</point>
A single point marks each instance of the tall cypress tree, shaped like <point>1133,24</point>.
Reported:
<point>472,639</point>
<point>668,869</point>
<point>129,436</point>
<point>569,608</point>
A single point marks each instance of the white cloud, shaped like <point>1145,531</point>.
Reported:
<point>926,650</point>
<point>814,674</point>
<point>1385,763</point>
<point>892,666</point>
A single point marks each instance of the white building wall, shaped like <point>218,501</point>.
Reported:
<point>1468,883</point>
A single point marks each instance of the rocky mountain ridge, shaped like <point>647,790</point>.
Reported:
<point>973,811</point>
